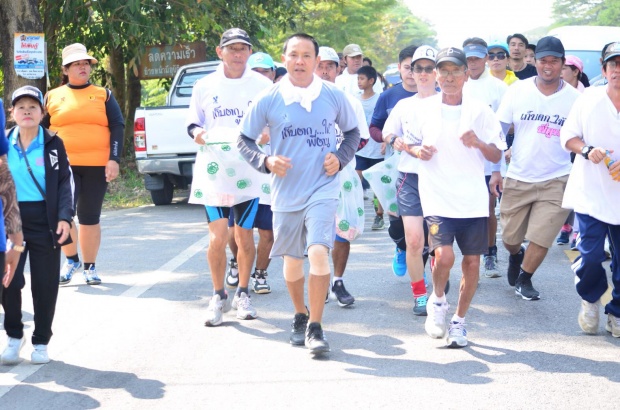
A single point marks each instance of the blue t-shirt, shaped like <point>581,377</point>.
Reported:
<point>387,101</point>
<point>304,137</point>
<point>25,187</point>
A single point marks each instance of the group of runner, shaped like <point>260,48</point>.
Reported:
<point>453,120</point>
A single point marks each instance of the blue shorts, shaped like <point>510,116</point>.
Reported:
<point>244,213</point>
<point>363,163</point>
<point>263,219</point>
<point>471,234</point>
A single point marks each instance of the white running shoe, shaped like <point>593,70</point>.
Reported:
<point>457,335</point>
<point>39,355</point>
<point>217,307</point>
<point>435,324</point>
<point>243,304</point>
<point>589,317</point>
<point>10,355</point>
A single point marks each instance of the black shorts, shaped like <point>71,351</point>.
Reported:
<point>471,234</point>
<point>90,189</point>
<point>408,195</point>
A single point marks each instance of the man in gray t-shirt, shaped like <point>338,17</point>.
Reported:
<point>302,112</point>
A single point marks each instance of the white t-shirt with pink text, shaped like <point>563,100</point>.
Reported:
<point>537,154</point>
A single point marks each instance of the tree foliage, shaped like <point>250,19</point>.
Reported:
<point>586,12</point>
<point>381,27</point>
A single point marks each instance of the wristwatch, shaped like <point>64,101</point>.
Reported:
<point>17,248</point>
<point>392,140</point>
<point>585,151</point>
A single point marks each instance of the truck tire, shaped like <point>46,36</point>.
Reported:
<point>163,196</point>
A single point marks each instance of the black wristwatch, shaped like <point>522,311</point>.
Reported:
<point>585,151</point>
<point>392,140</point>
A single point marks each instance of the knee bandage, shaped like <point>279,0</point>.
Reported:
<point>319,260</point>
<point>293,269</point>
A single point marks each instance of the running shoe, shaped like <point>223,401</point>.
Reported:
<point>514,266</point>
<point>340,293</point>
<point>259,282</point>
<point>379,223</point>
<point>217,307</point>
<point>10,355</point>
<point>315,339</point>
<point>435,324</point>
<point>298,329</point>
<point>243,304</point>
<point>419,305</point>
<point>490,267</point>
<point>613,325</point>
<point>457,335</point>
<point>39,355</point>
<point>399,262</point>
<point>525,289</point>
<point>232,275</point>
<point>91,277</point>
<point>589,317</point>
<point>67,271</point>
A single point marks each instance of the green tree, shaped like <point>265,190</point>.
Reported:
<point>586,12</point>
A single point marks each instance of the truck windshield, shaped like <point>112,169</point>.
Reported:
<point>186,83</point>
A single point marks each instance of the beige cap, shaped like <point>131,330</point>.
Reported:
<point>76,52</point>
<point>352,50</point>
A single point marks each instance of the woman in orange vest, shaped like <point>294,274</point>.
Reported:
<point>90,122</point>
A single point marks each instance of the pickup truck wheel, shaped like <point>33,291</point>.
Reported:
<point>163,196</point>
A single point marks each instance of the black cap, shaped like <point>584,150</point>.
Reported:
<point>549,46</point>
<point>452,55</point>
<point>611,51</point>
<point>27,91</point>
<point>235,35</point>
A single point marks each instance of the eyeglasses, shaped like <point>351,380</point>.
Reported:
<point>455,74</point>
<point>500,56</point>
<point>419,69</point>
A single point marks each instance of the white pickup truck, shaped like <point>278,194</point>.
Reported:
<point>165,153</point>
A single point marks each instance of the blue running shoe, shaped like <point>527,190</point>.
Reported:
<point>399,263</point>
<point>67,271</point>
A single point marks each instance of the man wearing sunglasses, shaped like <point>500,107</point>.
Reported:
<point>498,63</point>
<point>489,90</point>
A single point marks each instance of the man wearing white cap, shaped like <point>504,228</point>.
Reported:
<point>347,81</point>
<point>482,86</point>
<point>230,89</point>
<point>327,69</point>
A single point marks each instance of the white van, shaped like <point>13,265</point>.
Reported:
<point>586,42</point>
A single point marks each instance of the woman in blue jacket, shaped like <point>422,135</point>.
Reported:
<point>38,161</point>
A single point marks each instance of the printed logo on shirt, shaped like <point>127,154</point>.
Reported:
<point>54,159</point>
<point>545,129</point>
<point>91,97</point>
<point>315,137</point>
<point>228,112</point>
<point>215,99</point>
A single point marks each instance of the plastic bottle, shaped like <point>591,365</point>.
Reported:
<point>609,162</point>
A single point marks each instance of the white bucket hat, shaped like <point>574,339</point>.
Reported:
<point>76,52</point>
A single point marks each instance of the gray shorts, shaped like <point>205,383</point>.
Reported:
<point>407,195</point>
<point>294,232</point>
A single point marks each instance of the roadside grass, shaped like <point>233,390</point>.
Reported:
<point>127,191</point>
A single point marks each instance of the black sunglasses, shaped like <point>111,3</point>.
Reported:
<point>418,69</point>
<point>500,56</point>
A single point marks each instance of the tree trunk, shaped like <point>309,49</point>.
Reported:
<point>134,90</point>
<point>17,16</point>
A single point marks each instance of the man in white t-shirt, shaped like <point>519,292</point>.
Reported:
<point>402,131</point>
<point>457,135</point>
<point>592,131</point>
<point>531,205</point>
<point>219,100</point>
<point>488,89</point>
<point>347,81</point>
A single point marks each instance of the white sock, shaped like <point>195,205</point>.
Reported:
<point>336,280</point>
<point>458,319</point>
<point>440,300</point>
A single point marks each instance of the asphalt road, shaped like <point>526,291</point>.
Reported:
<point>138,340</point>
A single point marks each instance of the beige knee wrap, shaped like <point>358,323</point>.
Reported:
<point>319,260</point>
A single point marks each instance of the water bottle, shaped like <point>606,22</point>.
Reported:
<point>609,162</point>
